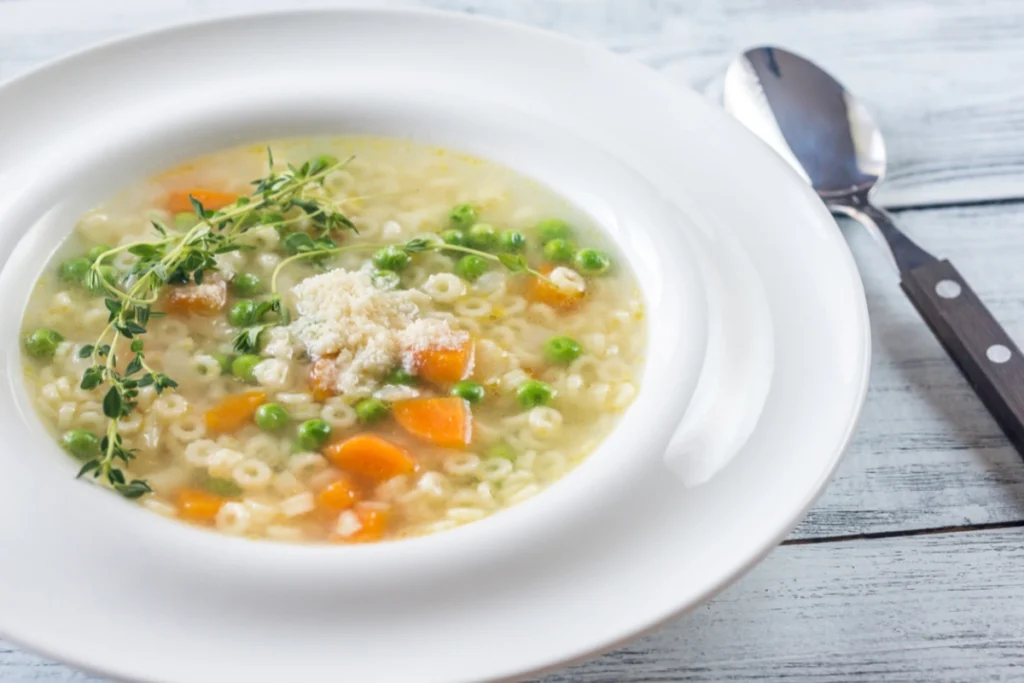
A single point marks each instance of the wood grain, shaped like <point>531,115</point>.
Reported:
<point>919,610</point>
<point>926,453</point>
<point>937,75</point>
<point>942,80</point>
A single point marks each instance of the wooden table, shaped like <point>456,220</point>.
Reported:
<point>911,567</point>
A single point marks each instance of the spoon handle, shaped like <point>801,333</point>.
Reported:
<point>978,344</point>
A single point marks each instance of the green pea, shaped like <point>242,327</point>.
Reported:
<point>371,410</point>
<point>502,450</point>
<point>462,215</point>
<point>96,252</point>
<point>323,160</point>
<point>553,229</point>
<point>532,393</point>
<point>313,434</point>
<point>592,262</point>
<point>271,417</point>
<point>108,275</point>
<point>471,267</point>
<point>511,241</point>
<point>559,250</point>
<point>401,376</point>
<point>225,362</point>
<point>185,220</point>
<point>242,313</point>
<point>456,237</point>
<point>43,343</point>
<point>243,367</point>
<point>391,258</point>
<point>81,443</point>
<point>74,270</point>
<point>562,350</point>
<point>247,284</point>
<point>225,488</point>
<point>469,391</point>
<point>482,236</point>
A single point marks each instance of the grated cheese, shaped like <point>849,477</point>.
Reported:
<point>365,329</point>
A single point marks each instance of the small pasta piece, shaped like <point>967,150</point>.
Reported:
<point>348,524</point>
<point>252,474</point>
<point>186,428</point>
<point>321,480</point>
<point>272,373</point>
<point>66,415</point>
<point>199,453</point>
<point>525,493</point>
<point>170,406</point>
<point>261,514</point>
<point>207,365</point>
<point>223,462</point>
<point>160,507</point>
<point>434,484</point>
<point>304,465</point>
<point>495,469</point>
<point>266,448</point>
<point>464,515</point>
<point>286,484</point>
<point>473,308</point>
<point>338,414</point>
<point>444,287</point>
<point>234,519</point>
<point>462,464</point>
<point>545,422</point>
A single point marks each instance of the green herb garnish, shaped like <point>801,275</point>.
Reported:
<point>180,258</point>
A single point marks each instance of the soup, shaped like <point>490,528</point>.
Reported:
<point>373,340</point>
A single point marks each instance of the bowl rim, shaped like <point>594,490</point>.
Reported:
<point>767,544</point>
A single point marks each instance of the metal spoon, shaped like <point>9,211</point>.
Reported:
<point>830,139</point>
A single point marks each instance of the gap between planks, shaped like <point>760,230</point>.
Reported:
<point>876,535</point>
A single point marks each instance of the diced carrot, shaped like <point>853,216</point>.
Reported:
<point>234,411</point>
<point>338,495</point>
<point>323,377</point>
<point>445,366</point>
<point>374,519</point>
<point>199,506</point>
<point>206,299</point>
<point>178,202</point>
<point>544,292</point>
<point>372,456</point>
<point>441,421</point>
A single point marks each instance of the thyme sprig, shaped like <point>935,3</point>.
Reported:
<point>284,200</point>
<point>177,258</point>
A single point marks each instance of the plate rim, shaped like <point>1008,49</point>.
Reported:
<point>656,80</point>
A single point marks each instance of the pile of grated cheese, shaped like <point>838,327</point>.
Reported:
<point>365,329</point>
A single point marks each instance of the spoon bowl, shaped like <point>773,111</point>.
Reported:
<point>831,140</point>
<point>809,117</point>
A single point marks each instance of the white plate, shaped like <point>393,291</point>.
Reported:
<point>639,557</point>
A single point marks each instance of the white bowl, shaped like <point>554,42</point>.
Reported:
<point>618,545</point>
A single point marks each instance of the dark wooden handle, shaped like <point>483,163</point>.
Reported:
<point>987,356</point>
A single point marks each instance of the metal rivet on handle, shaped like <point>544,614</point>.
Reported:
<point>997,353</point>
<point>948,289</point>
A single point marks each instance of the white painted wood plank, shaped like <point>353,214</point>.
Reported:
<point>921,610</point>
<point>940,76</point>
<point>925,609</point>
<point>927,454</point>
